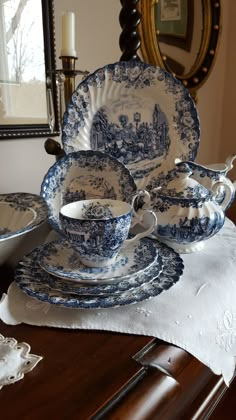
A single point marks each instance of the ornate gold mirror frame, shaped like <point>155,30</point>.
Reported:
<point>209,40</point>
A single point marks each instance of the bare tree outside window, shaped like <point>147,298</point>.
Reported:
<point>22,65</point>
<point>25,54</point>
<point>16,19</point>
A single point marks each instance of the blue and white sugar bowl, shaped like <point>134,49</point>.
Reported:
<point>187,212</point>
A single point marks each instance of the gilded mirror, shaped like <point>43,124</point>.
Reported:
<point>28,91</point>
<point>181,36</point>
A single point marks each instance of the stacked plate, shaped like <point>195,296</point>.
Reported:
<point>53,273</point>
<point>123,129</point>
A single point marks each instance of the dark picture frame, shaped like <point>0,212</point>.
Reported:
<point>51,127</point>
<point>174,22</point>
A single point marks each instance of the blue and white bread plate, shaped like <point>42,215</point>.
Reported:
<point>60,259</point>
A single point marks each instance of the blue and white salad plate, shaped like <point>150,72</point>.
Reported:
<point>136,112</point>
<point>60,259</point>
<point>20,213</point>
<point>85,175</point>
<point>95,289</point>
<point>32,279</point>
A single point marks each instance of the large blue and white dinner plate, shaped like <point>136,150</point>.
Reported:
<point>20,213</point>
<point>60,259</point>
<point>136,112</point>
<point>33,280</point>
<point>85,175</point>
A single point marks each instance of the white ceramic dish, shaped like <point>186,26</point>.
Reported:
<point>85,175</point>
<point>20,213</point>
<point>136,112</point>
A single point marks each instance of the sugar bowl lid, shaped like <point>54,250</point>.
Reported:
<point>183,186</point>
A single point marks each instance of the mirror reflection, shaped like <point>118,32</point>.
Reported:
<point>27,82</point>
<point>181,36</point>
<point>179,27</point>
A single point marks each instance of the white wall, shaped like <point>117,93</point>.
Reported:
<point>211,100</point>
<point>23,163</point>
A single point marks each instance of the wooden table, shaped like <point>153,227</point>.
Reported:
<point>103,375</point>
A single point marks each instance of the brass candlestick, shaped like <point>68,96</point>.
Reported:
<point>68,66</point>
<point>69,72</point>
<point>66,83</point>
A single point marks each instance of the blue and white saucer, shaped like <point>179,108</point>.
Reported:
<point>62,285</point>
<point>60,259</point>
<point>33,280</point>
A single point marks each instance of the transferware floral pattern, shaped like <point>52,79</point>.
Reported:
<point>97,240</point>
<point>189,230</point>
<point>209,176</point>
<point>59,259</point>
<point>138,113</point>
<point>33,281</point>
<point>96,211</point>
<point>31,208</point>
<point>107,285</point>
<point>187,212</point>
<point>85,175</point>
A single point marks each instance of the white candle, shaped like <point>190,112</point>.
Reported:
<point>68,35</point>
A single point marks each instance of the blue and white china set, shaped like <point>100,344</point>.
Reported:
<point>127,197</point>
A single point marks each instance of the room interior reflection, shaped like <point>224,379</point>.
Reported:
<point>181,36</point>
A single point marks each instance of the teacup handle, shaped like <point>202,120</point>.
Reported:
<point>138,219</point>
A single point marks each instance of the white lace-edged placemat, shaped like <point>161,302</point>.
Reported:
<point>15,360</point>
<point>197,314</point>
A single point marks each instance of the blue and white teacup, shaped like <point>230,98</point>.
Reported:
<point>98,228</point>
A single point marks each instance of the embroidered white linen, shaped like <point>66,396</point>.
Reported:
<point>197,314</point>
<point>15,360</point>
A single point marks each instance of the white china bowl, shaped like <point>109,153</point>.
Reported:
<point>14,219</point>
<point>23,225</point>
